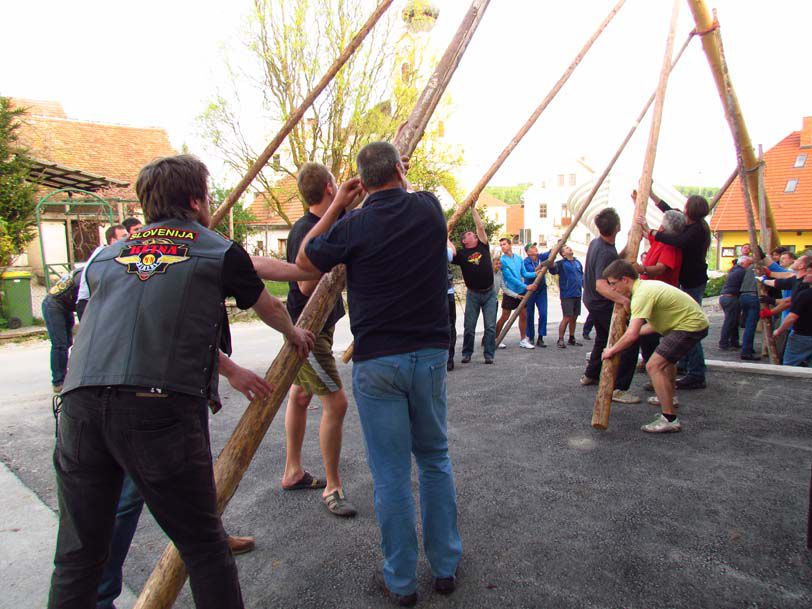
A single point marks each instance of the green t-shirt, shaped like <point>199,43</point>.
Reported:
<point>666,308</point>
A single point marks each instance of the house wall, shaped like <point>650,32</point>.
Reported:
<point>271,239</point>
<point>801,240</point>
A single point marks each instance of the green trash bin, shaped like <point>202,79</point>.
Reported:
<point>16,292</point>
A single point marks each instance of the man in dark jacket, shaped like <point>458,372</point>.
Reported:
<point>58,308</point>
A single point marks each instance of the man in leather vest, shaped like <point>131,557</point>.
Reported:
<point>142,372</point>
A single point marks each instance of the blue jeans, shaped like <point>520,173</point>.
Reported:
<point>128,512</point>
<point>748,303</point>
<point>694,362</point>
<point>59,324</point>
<point>537,300</point>
<point>798,350</point>
<point>474,302</point>
<point>402,407</point>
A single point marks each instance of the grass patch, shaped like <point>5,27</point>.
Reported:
<point>277,288</point>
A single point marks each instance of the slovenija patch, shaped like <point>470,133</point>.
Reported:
<point>152,257</point>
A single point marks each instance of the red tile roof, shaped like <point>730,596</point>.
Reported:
<point>112,151</point>
<point>792,210</point>
<point>287,193</point>
<point>40,107</point>
<point>490,201</point>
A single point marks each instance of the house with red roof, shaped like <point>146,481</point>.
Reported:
<point>788,185</point>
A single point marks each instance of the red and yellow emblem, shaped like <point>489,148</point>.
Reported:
<point>152,257</point>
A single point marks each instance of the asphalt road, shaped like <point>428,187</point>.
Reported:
<point>552,512</point>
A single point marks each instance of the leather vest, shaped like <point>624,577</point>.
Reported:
<point>64,291</point>
<point>155,314</point>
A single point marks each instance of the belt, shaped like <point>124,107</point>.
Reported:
<point>485,291</point>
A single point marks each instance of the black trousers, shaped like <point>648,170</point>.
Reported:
<point>628,359</point>
<point>452,325</point>
<point>163,444</point>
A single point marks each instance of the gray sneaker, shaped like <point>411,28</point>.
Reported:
<point>624,397</point>
<point>655,401</point>
<point>662,425</point>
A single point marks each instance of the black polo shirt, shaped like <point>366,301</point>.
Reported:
<point>396,257</point>
<point>476,266</point>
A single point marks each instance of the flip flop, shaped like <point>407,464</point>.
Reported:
<point>307,482</point>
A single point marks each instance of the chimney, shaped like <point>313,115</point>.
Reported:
<point>806,133</point>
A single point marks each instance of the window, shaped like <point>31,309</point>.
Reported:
<point>283,247</point>
<point>791,185</point>
<point>572,179</point>
<point>800,161</point>
<point>543,210</point>
<point>560,179</point>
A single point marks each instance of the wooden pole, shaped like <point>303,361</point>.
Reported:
<point>166,580</point>
<point>297,115</point>
<point>603,400</point>
<point>766,241</point>
<point>708,27</point>
<point>473,197</point>
<point>585,205</point>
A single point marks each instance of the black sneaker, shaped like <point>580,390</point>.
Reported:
<point>540,343</point>
<point>574,342</point>
<point>465,359</point>
<point>450,365</point>
<point>750,357</point>
<point>587,337</point>
<point>402,600</point>
<point>688,382</point>
<point>488,360</point>
<point>445,585</point>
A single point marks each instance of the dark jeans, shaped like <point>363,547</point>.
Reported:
<point>694,362</point>
<point>749,307</point>
<point>588,325</point>
<point>628,359</point>
<point>487,303</point>
<point>59,324</point>
<point>730,327</point>
<point>162,443</point>
<point>128,512</point>
<point>452,326</point>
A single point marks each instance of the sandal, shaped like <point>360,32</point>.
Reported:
<point>338,505</point>
<point>307,482</point>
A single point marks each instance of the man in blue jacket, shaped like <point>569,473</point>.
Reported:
<point>530,268</point>
<point>570,282</point>
<point>512,273</point>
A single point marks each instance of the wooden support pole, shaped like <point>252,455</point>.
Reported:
<point>585,205</point>
<point>708,27</point>
<point>297,115</point>
<point>166,580</point>
<point>603,400</point>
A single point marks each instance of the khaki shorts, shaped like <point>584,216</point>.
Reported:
<point>318,375</point>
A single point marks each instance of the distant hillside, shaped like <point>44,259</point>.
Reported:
<point>512,195</point>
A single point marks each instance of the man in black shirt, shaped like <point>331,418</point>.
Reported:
<point>318,375</point>
<point>799,343</point>
<point>474,259</point>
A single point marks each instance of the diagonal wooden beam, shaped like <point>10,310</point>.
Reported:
<point>166,580</point>
<point>603,399</point>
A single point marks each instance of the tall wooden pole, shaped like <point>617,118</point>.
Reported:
<point>708,26</point>
<point>603,400</point>
<point>585,205</point>
<point>166,580</point>
<point>297,115</point>
<point>473,197</point>
<point>764,232</point>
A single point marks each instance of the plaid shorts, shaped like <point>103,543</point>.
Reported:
<point>676,345</point>
<point>319,375</point>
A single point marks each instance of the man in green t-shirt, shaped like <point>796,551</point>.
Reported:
<point>664,309</point>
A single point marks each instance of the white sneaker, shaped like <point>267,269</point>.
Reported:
<point>502,346</point>
<point>624,397</point>
<point>526,344</point>
<point>662,425</point>
<point>655,401</point>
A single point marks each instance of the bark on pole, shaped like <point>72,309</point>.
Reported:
<point>473,197</point>
<point>297,115</point>
<point>603,400</point>
<point>708,27</point>
<point>166,580</point>
<point>585,205</point>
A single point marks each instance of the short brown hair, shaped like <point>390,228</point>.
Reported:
<point>607,222</point>
<point>110,233</point>
<point>696,207</point>
<point>619,269</point>
<point>167,185</point>
<point>313,178</point>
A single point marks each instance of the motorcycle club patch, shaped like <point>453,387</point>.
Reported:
<point>152,257</point>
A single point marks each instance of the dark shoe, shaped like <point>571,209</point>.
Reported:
<point>574,342</point>
<point>737,346</point>
<point>488,360</point>
<point>307,483</point>
<point>587,337</point>
<point>402,600</point>
<point>445,585</point>
<point>750,357</point>
<point>337,504</point>
<point>450,365</point>
<point>540,343</point>
<point>240,545</point>
<point>724,347</point>
<point>465,359</point>
<point>688,382</point>
<point>560,344</point>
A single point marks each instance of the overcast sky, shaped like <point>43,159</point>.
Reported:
<point>151,63</point>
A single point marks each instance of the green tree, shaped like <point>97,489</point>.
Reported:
<point>17,194</point>
<point>704,191</point>
<point>242,215</point>
<point>466,223</point>
<point>512,195</point>
<point>287,46</point>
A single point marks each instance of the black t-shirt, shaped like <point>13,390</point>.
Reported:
<point>802,307</point>
<point>396,257</point>
<point>296,300</point>
<point>240,280</point>
<point>599,255</point>
<point>475,264</point>
<point>694,242</point>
